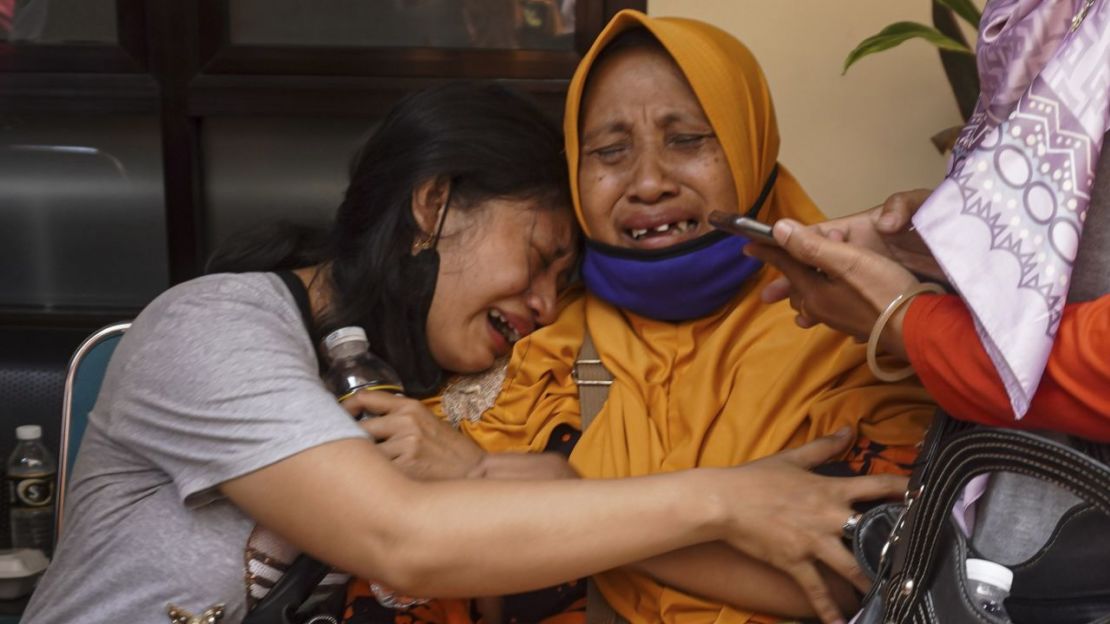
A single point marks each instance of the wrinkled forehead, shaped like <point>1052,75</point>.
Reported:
<point>663,48</point>
<point>667,82</point>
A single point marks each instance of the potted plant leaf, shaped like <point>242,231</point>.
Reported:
<point>956,54</point>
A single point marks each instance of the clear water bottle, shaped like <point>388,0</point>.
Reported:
<point>989,584</point>
<point>31,473</point>
<point>352,367</point>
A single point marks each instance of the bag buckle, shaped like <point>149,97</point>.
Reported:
<point>594,379</point>
<point>908,498</point>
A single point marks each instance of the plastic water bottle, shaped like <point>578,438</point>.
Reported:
<point>352,367</point>
<point>989,584</point>
<point>31,474</point>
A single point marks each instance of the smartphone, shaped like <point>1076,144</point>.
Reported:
<point>757,231</point>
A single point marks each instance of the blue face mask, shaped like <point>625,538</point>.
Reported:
<point>687,282</point>
<point>679,283</point>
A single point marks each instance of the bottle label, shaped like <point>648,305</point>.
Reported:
<point>31,492</point>
<point>380,387</point>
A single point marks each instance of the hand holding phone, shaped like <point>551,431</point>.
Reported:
<point>739,225</point>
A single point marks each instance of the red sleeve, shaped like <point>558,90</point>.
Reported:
<point>1073,396</point>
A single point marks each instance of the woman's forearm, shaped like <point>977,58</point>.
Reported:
<point>717,572</point>
<point>629,520</point>
<point>345,504</point>
<point>945,350</point>
<point>435,538</point>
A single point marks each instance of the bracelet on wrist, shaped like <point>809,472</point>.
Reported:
<point>880,324</point>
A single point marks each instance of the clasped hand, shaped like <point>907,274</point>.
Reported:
<point>427,448</point>
<point>793,518</point>
<point>419,444</point>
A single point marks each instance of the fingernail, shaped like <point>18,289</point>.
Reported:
<point>888,221</point>
<point>843,432</point>
<point>783,229</point>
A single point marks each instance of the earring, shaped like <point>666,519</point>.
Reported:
<point>428,241</point>
<point>423,244</point>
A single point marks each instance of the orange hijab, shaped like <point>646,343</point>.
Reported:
<point>737,385</point>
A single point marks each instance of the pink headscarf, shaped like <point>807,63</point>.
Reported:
<point>1005,223</point>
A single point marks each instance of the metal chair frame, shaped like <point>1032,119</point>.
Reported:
<point>86,346</point>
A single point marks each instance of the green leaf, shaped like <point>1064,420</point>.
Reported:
<point>965,9</point>
<point>898,33</point>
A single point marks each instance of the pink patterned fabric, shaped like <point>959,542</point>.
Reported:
<point>1005,223</point>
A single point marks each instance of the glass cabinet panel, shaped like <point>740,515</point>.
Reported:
<point>82,216</point>
<point>58,21</point>
<point>492,24</point>
<point>261,170</point>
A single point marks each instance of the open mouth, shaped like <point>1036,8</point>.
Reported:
<point>676,228</point>
<point>503,326</point>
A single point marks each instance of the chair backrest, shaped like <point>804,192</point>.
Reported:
<point>84,375</point>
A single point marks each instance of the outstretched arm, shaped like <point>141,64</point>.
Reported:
<point>344,503</point>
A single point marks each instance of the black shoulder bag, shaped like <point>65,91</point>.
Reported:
<point>920,568</point>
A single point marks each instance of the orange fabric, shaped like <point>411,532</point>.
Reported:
<point>443,611</point>
<point>1073,396</point>
<point>437,611</point>
<point>737,385</point>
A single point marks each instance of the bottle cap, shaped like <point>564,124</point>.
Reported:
<point>991,573</point>
<point>28,432</point>
<point>344,334</point>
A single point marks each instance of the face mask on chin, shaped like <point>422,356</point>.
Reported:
<point>422,272</point>
<point>689,281</point>
<point>679,283</point>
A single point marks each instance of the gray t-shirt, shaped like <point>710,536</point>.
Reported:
<point>215,379</point>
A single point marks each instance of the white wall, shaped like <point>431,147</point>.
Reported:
<point>851,140</point>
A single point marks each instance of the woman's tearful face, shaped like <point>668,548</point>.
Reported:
<point>501,267</point>
<point>651,168</point>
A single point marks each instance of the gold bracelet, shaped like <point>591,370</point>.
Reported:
<point>880,324</point>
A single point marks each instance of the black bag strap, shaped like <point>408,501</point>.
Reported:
<point>294,588</point>
<point>964,454</point>
<point>300,295</point>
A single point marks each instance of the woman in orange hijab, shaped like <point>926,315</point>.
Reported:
<point>666,120</point>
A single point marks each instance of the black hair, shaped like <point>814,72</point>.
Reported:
<point>487,140</point>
